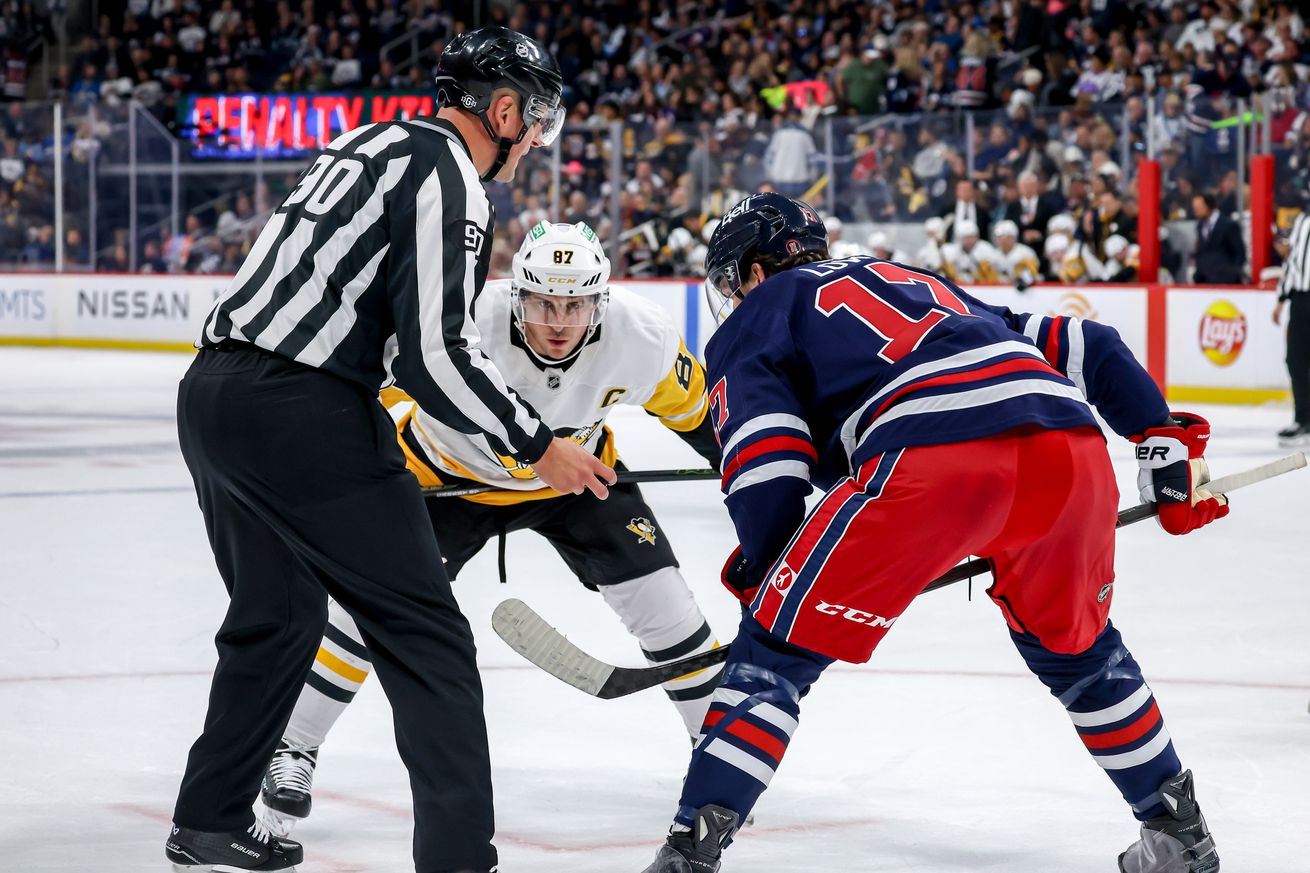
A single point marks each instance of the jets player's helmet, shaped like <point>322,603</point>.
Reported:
<point>478,63</point>
<point>768,228</point>
<point>561,280</point>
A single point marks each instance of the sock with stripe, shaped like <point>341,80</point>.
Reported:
<point>1114,714</point>
<point>339,670</point>
<point>752,717</point>
<point>661,612</point>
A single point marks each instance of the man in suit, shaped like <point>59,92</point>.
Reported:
<point>1032,210</point>
<point>967,209</point>
<point>1220,253</point>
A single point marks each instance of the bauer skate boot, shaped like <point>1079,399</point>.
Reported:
<point>285,796</point>
<point>1176,842</point>
<point>697,850</point>
<point>231,852</point>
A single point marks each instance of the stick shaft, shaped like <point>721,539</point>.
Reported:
<point>625,477</point>
<point>1134,514</point>
<point>528,634</point>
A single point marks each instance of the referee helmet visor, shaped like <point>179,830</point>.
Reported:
<point>538,109</point>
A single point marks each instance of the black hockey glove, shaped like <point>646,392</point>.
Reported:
<point>737,578</point>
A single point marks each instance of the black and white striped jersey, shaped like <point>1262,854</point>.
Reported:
<point>1296,269</point>
<point>369,269</point>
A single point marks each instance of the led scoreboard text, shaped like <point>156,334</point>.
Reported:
<point>287,125</point>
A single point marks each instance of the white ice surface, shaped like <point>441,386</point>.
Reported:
<point>940,755</point>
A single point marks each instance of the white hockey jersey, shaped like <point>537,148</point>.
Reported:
<point>983,264</point>
<point>636,357</point>
<point>1020,264</point>
<point>1079,266</point>
<point>930,257</point>
<point>844,248</point>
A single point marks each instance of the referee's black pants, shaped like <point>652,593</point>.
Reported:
<point>305,493</point>
<point>1298,354</point>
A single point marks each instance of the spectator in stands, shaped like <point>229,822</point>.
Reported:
<point>863,79</point>
<point>151,260</point>
<point>40,247</point>
<point>789,159</point>
<point>178,250</point>
<point>1220,252</point>
<point>1032,210</point>
<point>1108,219</point>
<point>967,211</point>
<point>76,252</point>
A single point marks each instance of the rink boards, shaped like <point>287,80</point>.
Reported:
<point>1207,344</point>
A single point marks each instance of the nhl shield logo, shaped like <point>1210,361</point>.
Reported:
<point>644,529</point>
<point>521,50</point>
<point>1105,592</point>
<point>552,381</point>
<point>793,247</point>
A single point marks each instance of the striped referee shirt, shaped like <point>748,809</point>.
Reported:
<point>1296,270</point>
<point>369,270</point>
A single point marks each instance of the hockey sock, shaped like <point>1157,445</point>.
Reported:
<point>752,717</point>
<point>1114,713</point>
<point>340,668</point>
<point>660,611</point>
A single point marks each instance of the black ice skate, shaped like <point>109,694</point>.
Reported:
<point>231,852</point>
<point>697,850</point>
<point>1177,842</point>
<point>1294,436</point>
<point>285,793</point>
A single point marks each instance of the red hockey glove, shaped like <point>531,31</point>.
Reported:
<point>1172,472</point>
<point>736,577</point>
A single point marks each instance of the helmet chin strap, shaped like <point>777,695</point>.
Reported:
<point>503,146</point>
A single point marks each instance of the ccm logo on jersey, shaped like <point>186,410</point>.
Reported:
<point>858,616</point>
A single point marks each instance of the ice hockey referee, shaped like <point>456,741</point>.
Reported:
<point>1294,290</point>
<point>367,271</point>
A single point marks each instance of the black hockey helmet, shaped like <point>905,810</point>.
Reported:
<point>766,226</point>
<point>480,62</point>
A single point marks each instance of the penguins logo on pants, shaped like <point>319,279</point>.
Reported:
<point>644,530</point>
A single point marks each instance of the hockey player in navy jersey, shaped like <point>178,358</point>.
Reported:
<point>939,427</point>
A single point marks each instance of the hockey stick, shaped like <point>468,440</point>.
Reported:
<point>527,633</point>
<point>625,477</point>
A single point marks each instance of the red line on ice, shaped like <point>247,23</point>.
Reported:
<point>395,810</point>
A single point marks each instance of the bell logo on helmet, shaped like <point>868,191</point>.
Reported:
<point>468,101</point>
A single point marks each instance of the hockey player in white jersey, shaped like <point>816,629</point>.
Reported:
<point>574,347</point>
<point>881,247</point>
<point>970,259</point>
<point>929,255</point>
<point>1019,262</point>
<point>838,247</point>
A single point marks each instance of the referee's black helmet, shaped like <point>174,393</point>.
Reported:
<point>478,63</point>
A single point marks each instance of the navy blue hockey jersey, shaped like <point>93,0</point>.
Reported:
<point>826,365</point>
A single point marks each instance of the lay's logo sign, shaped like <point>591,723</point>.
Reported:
<point>1222,333</point>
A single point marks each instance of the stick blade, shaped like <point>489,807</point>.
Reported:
<point>531,636</point>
